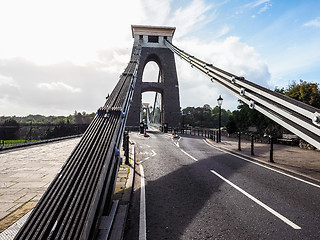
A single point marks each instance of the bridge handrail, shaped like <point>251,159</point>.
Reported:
<point>78,197</point>
<point>299,118</point>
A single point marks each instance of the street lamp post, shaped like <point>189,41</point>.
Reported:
<point>220,99</point>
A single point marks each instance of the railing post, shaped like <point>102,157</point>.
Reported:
<point>217,138</point>
<point>239,141</point>
<point>252,152</point>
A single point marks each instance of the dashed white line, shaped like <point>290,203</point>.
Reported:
<point>142,222</point>
<point>278,215</point>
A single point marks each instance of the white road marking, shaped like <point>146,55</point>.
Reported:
<point>153,153</point>
<point>278,215</point>
<point>287,221</point>
<point>176,143</point>
<point>189,155</point>
<point>142,222</point>
<point>145,159</point>
<point>261,165</point>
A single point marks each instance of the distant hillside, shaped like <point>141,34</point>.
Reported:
<point>76,118</point>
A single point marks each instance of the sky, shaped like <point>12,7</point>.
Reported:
<point>61,56</point>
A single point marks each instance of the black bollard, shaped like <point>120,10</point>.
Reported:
<point>239,142</point>
<point>127,149</point>
<point>141,128</point>
<point>252,153</point>
<point>271,149</point>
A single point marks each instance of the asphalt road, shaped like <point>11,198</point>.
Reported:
<point>194,191</point>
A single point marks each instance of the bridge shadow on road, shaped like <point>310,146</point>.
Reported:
<point>186,201</point>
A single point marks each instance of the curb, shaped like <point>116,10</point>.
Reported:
<point>118,227</point>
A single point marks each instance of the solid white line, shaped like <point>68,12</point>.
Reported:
<point>287,221</point>
<point>142,222</point>
<point>261,165</point>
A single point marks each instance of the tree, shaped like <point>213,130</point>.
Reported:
<point>244,117</point>
<point>9,129</point>
<point>205,116</point>
<point>308,93</point>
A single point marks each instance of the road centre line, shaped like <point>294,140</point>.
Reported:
<point>142,219</point>
<point>261,165</point>
<point>278,215</point>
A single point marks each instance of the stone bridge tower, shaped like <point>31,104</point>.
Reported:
<point>154,49</point>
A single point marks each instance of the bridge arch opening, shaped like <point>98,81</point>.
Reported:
<point>151,72</point>
<point>151,107</point>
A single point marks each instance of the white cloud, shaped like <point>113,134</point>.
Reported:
<point>223,31</point>
<point>59,56</point>
<point>6,80</point>
<point>189,18</point>
<point>313,23</point>
<point>48,32</point>
<point>257,3</point>
<point>58,86</point>
<point>263,5</point>
<point>231,55</point>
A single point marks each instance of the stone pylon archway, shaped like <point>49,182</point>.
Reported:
<point>154,49</point>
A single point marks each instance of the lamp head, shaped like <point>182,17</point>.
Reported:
<point>220,99</point>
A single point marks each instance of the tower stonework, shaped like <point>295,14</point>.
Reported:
<point>154,49</point>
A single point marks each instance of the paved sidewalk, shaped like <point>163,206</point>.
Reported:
<point>25,174</point>
<point>291,158</point>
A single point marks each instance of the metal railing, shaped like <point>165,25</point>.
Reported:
<point>299,118</point>
<point>80,194</point>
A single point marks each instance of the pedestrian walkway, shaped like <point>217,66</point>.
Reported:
<point>291,158</point>
<point>25,174</point>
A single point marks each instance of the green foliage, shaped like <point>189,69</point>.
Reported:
<point>9,129</point>
<point>38,127</point>
<point>13,142</point>
<point>204,117</point>
<point>305,92</point>
<point>244,117</point>
<point>76,118</point>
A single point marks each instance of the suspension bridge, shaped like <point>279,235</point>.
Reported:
<point>80,195</point>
